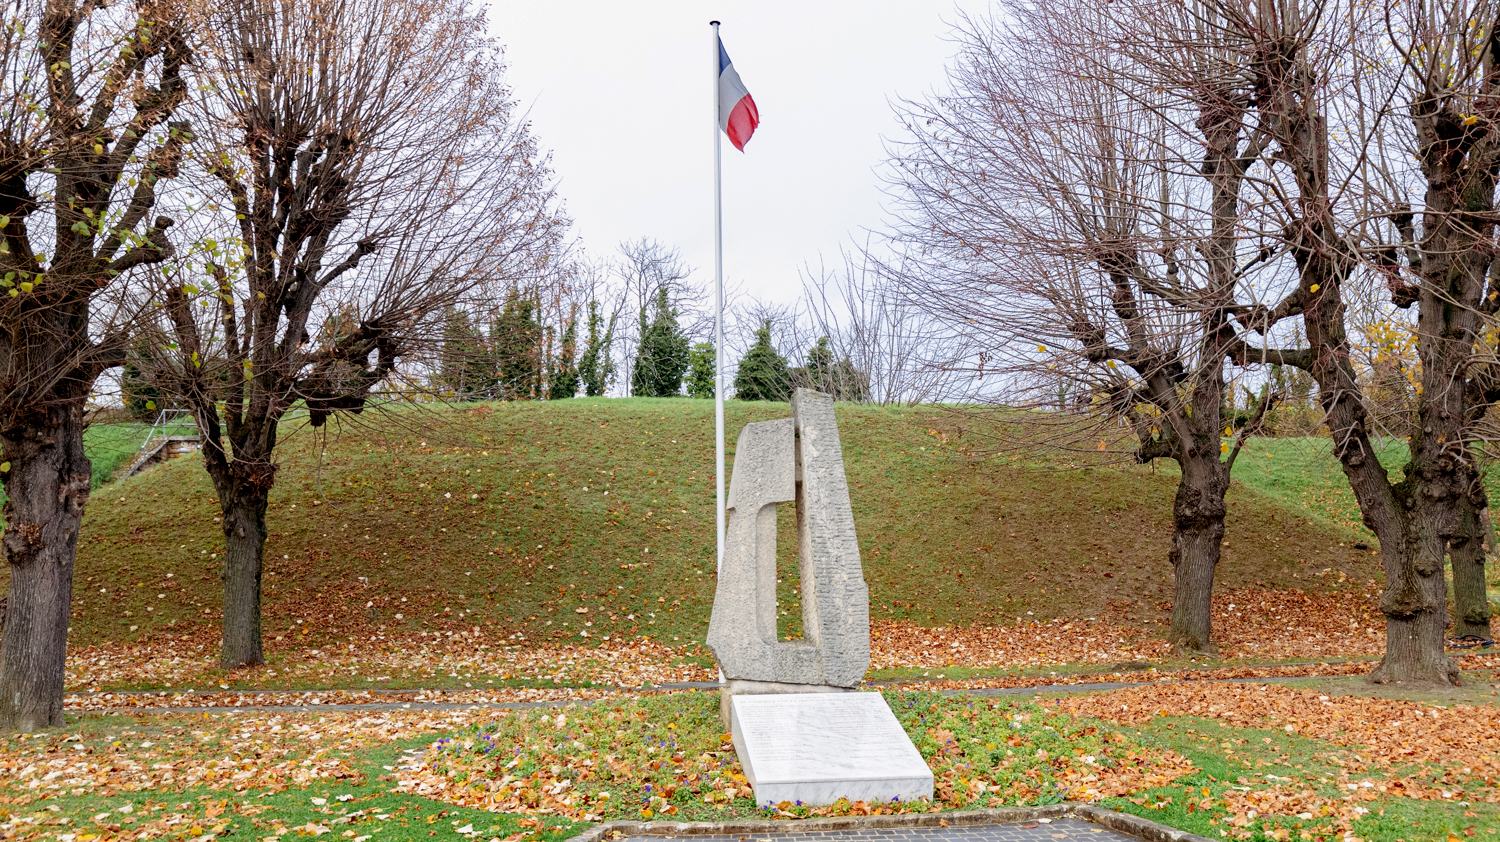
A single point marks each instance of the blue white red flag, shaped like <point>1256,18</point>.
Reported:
<point>737,115</point>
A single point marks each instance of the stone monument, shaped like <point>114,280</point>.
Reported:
<point>796,746</point>
<point>795,459</point>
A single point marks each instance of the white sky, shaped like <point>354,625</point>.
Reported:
<point>621,92</point>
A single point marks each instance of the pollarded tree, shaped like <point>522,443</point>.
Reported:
<point>88,142</point>
<point>1080,203</point>
<point>367,162</point>
<point>1418,219</point>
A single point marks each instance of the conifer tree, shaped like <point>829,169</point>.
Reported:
<point>763,374</point>
<point>516,338</point>
<point>562,381</point>
<point>466,368</point>
<point>840,379</point>
<point>141,397</point>
<point>662,357</point>
<point>595,368</point>
<point>700,379</point>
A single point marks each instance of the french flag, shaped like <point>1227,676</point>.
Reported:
<point>737,115</point>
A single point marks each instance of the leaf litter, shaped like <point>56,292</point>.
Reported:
<point>666,756</point>
<point>1367,749</point>
<point>1250,625</point>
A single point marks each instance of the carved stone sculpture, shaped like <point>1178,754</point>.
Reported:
<point>795,459</point>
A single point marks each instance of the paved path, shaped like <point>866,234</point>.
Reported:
<point>497,705</point>
<point>1064,828</point>
<point>432,705</point>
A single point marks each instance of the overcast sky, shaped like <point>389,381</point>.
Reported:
<point>621,92</point>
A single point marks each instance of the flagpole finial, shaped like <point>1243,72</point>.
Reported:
<point>713,23</point>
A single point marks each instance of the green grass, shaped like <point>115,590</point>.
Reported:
<point>668,756</point>
<point>112,447</point>
<point>665,756</point>
<point>1302,472</point>
<point>368,804</point>
<point>497,515</point>
<point>1230,759</point>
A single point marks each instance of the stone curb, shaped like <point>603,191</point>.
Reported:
<point>1112,819</point>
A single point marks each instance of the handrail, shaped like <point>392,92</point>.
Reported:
<point>161,423</point>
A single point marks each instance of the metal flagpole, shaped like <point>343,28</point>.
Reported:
<point>718,328</point>
<point>718,317</point>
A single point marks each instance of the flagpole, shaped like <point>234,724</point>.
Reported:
<point>718,317</point>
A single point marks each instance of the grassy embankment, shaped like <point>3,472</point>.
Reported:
<point>514,516</point>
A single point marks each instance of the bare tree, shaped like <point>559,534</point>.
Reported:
<point>896,350</point>
<point>644,269</point>
<point>87,140</point>
<point>370,174</point>
<point>1078,205</point>
<point>1339,147</point>
<point>1425,228</point>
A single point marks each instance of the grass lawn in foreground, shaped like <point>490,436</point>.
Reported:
<point>1238,761</point>
<point>352,797</point>
<point>1254,762</point>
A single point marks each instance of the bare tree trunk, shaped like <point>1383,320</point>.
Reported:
<point>1466,551</point>
<point>1415,605</point>
<point>48,486</point>
<point>1198,531</point>
<point>244,549</point>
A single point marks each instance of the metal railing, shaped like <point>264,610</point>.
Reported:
<point>165,421</point>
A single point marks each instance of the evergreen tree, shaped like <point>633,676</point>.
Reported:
<point>849,383</point>
<point>516,338</point>
<point>820,365</point>
<point>840,379</point>
<point>1295,386</point>
<point>638,381</point>
<point>562,382</point>
<point>465,368</point>
<point>662,358</point>
<point>700,379</point>
<point>763,374</point>
<point>142,399</point>
<point>595,368</point>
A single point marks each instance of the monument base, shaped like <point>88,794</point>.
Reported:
<point>815,748</point>
<point>744,687</point>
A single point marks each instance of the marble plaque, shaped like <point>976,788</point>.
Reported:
<point>819,747</point>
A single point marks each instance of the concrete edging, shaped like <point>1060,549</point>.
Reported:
<point>1111,819</point>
